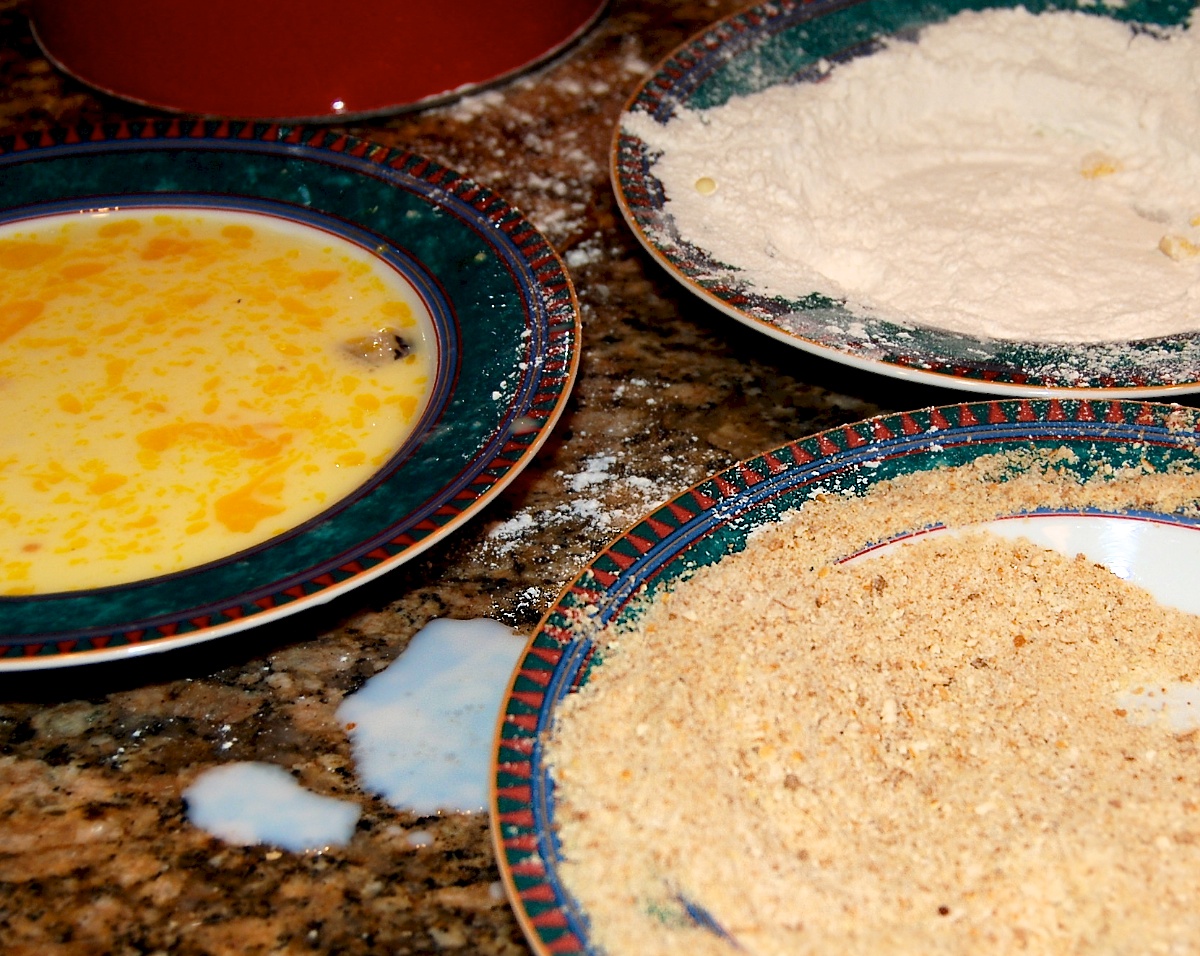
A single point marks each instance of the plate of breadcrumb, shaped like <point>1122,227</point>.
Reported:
<point>923,683</point>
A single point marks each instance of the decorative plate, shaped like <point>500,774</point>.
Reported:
<point>779,43</point>
<point>504,315</point>
<point>701,526</point>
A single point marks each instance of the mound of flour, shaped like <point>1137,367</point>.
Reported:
<point>1008,175</point>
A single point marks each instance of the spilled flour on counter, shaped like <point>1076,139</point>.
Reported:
<point>1009,175</point>
<point>604,498</point>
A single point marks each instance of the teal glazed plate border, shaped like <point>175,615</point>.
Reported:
<point>505,316</point>
<point>783,42</point>
<point>700,527</point>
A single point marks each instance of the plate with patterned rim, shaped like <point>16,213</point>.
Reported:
<point>505,318</point>
<point>714,519</point>
<point>783,42</point>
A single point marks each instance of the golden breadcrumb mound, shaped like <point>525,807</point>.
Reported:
<point>965,744</point>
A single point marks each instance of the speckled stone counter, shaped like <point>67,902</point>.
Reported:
<point>96,854</point>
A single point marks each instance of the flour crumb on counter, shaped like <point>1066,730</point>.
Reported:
<point>595,471</point>
<point>604,500</point>
<point>586,253</point>
<point>957,745</point>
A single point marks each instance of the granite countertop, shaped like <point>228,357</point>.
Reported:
<point>97,855</point>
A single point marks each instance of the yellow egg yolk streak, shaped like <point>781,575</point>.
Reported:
<point>177,386</point>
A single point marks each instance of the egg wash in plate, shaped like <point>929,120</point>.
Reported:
<point>187,383</point>
<point>503,354</point>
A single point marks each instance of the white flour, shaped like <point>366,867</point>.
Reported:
<point>1012,176</point>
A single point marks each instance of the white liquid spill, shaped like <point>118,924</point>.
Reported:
<point>248,803</point>
<point>421,730</point>
<point>422,737</point>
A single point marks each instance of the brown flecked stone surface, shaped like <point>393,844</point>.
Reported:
<point>96,853</point>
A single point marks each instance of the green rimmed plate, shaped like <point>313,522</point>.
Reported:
<point>702,526</point>
<point>507,328</point>
<point>779,43</point>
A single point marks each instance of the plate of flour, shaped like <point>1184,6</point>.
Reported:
<point>997,197</point>
<point>923,683</point>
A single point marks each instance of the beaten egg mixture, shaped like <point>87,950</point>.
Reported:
<point>177,386</point>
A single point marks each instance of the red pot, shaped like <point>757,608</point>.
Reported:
<point>301,59</point>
